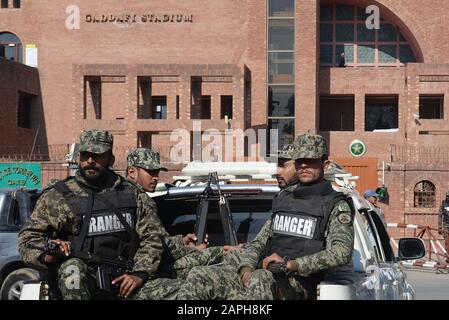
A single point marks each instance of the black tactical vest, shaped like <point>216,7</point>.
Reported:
<point>107,221</point>
<point>286,192</point>
<point>299,221</point>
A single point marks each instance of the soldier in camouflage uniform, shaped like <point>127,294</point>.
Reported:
<point>97,212</point>
<point>179,254</point>
<point>222,281</point>
<point>143,168</point>
<point>311,230</point>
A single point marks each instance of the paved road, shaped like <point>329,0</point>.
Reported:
<point>428,285</point>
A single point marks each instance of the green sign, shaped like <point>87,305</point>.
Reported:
<point>357,148</point>
<point>18,175</point>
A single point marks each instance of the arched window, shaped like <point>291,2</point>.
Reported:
<point>424,195</point>
<point>10,47</point>
<point>343,30</point>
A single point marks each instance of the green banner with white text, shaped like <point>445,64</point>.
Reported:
<point>20,175</point>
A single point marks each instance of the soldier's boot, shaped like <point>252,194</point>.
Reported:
<point>73,280</point>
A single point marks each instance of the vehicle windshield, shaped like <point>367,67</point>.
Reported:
<point>13,214</point>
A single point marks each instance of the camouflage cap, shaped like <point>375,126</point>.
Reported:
<point>287,152</point>
<point>96,141</point>
<point>309,146</point>
<point>145,158</point>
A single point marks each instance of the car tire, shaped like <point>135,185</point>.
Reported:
<point>12,286</point>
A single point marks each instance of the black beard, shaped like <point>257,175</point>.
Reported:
<point>96,180</point>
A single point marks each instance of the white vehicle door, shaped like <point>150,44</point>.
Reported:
<point>390,273</point>
<point>368,262</point>
<point>399,286</point>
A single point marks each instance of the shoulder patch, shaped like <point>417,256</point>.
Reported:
<point>344,218</point>
<point>344,207</point>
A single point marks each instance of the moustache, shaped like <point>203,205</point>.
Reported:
<point>91,168</point>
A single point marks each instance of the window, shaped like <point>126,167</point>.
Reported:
<point>424,195</point>
<point>195,98</point>
<point>24,110</point>
<point>281,67</point>
<point>281,34</point>
<point>343,30</point>
<point>4,4</point>
<point>159,107</point>
<point>10,47</point>
<point>431,107</point>
<point>226,106</point>
<point>92,97</point>
<point>16,4</point>
<point>177,107</point>
<point>281,101</point>
<point>337,113</point>
<point>206,104</point>
<point>144,98</point>
<point>144,139</point>
<point>281,8</point>
<point>285,128</point>
<point>281,70</point>
<point>381,113</point>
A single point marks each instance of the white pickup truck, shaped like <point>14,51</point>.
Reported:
<point>376,272</point>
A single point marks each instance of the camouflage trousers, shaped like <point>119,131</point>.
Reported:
<point>174,274</point>
<point>222,281</point>
<point>75,280</point>
<point>294,288</point>
<point>158,289</point>
<point>180,268</point>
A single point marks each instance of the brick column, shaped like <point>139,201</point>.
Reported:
<point>359,112</point>
<point>306,66</point>
<point>215,106</point>
<point>184,96</point>
<point>171,107</point>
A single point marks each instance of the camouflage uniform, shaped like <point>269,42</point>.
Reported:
<point>53,214</point>
<point>148,159</point>
<point>177,259</point>
<point>222,281</point>
<point>339,239</point>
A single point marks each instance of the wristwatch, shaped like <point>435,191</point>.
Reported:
<point>284,267</point>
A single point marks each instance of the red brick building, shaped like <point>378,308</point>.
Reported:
<point>142,69</point>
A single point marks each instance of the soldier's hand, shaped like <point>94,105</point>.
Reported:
<point>273,258</point>
<point>191,238</point>
<point>128,283</point>
<point>48,259</point>
<point>64,246</point>
<point>245,278</point>
<point>231,248</point>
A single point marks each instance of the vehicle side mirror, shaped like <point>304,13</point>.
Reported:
<point>411,249</point>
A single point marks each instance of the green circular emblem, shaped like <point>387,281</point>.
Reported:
<point>357,148</point>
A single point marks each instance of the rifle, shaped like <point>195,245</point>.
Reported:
<point>278,267</point>
<point>225,212</point>
<point>107,268</point>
